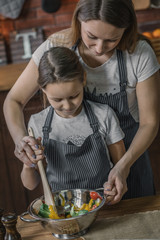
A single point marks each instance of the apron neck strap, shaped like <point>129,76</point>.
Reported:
<point>47,126</point>
<point>122,70</point>
<point>76,45</point>
<point>91,116</point>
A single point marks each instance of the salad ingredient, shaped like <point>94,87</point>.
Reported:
<point>53,214</point>
<point>67,209</point>
<point>44,211</point>
<point>95,195</point>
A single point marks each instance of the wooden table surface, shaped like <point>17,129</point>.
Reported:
<point>34,231</point>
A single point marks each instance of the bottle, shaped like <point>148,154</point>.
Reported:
<point>2,228</point>
<point>9,220</point>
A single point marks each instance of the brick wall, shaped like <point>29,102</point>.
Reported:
<point>148,19</point>
<point>33,16</point>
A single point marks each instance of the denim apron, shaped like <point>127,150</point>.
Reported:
<point>70,166</point>
<point>140,180</point>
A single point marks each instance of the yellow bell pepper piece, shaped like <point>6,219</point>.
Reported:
<point>90,203</point>
<point>87,207</point>
<point>63,200</point>
<point>82,207</point>
<point>52,214</point>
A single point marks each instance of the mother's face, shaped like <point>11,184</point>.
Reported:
<point>100,37</point>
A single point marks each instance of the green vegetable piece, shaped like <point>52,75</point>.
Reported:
<point>72,212</point>
<point>81,212</point>
<point>44,211</point>
<point>98,201</point>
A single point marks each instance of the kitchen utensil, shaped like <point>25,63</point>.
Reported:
<point>68,228</point>
<point>46,189</point>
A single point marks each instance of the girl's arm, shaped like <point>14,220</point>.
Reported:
<point>116,151</point>
<point>148,104</point>
<point>30,176</point>
<point>24,88</point>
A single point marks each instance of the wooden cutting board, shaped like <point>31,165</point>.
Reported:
<point>141,4</point>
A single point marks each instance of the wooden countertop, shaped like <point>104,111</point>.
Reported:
<point>34,231</point>
<point>9,74</point>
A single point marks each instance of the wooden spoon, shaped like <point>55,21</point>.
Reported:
<point>46,188</point>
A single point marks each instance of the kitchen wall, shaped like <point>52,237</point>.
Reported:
<point>33,16</point>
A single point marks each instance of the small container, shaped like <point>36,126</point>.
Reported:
<point>9,220</point>
<point>2,228</point>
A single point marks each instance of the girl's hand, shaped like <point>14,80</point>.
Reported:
<point>27,149</point>
<point>38,151</point>
<point>110,193</point>
<point>116,185</point>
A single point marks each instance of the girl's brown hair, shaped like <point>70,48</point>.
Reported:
<point>59,64</point>
<point>119,13</point>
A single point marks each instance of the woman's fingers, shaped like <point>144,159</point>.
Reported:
<point>23,157</point>
<point>115,187</point>
<point>121,190</point>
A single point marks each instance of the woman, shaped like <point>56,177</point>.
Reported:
<point>122,71</point>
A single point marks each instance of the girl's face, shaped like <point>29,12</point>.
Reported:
<point>100,37</point>
<point>66,98</point>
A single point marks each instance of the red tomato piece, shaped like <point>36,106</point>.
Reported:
<point>94,206</point>
<point>95,195</point>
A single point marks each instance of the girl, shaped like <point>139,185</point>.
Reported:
<point>78,136</point>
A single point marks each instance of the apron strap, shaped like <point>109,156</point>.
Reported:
<point>75,45</point>
<point>91,116</point>
<point>47,126</point>
<point>122,70</point>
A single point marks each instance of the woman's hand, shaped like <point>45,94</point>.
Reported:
<point>29,150</point>
<point>116,185</point>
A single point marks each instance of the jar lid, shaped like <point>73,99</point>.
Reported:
<point>9,217</point>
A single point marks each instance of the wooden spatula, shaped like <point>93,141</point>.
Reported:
<point>46,188</point>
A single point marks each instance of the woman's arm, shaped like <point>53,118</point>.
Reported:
<point>148,104</point>
<point>24,88</point>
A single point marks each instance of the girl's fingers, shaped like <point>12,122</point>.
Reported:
<point>38,152</point>
<point>109,199</point>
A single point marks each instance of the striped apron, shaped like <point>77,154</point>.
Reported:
<point>140,180</point>
<point>70,166</point>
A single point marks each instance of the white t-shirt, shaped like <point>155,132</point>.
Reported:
<point>78,128</point>
<point>105,79</point>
